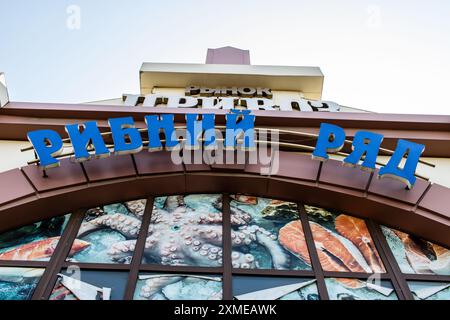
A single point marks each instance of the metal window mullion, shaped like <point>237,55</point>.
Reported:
<point>315,262</point>
<point>139,250</point>
<point>23,264</point>
<point>48,279</point>
<point>426,277</point>
<point>227,275</point>
<point>274,272</point>
<point>176,269</point>
<point>354,275</point>
<point>93,266</point>
<point>390,263</point>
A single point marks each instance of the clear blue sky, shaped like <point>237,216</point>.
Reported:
<point>386,56</point>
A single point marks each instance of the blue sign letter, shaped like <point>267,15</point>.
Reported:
<point>166,123</point>
<point>126,137</point>
<point>240,124</point>
<point>331,139</point>
<point>81,140</point>
<point>48,144</point>
<point>412,151</point>
<point>365,144</point>
<point>195,128</point>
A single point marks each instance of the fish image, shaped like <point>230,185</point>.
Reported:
<point>178,286</point>
<point>274,293</point>
<point>20,275</point>
<point>39,250</point>
<point>425,291</point>
<point>244,199</point>
<point>62,293</point>
<point>155,284</point>
<point>425,257</point>
<point>319,213</point>
<point>278,209</point>
<point>17,283</point>
<point>415,254</point>
<point>47,228</point>
<point>441,265</point>
<point>356,231</point>
<point>292,238</point>
<point>333,254</point>
<point>68,288</point>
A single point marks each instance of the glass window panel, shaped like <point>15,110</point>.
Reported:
<point>35,242</point>
<point>108,233</point>
<point>18,283</point>
<point>423,290</point>
<point>415,255</point>
<point>354,289</point>
<point>267,234</point>
<point>186,230</point>
<point>274,288</point>
<point>89,285</point>
<point>343,242</point>
<point>178,287</point>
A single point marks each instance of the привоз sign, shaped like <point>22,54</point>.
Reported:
<point>229,98</point>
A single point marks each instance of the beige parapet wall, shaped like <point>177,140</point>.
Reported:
<point>308,80</point>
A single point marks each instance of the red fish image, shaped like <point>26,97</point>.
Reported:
<point>244,199</point>
<point>40,250</point>
<point>62,293</point>
<point>356,231</point>
<point>333,255</point>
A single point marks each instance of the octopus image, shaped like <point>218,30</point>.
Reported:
<point>178,287</point>
<point>182,235</point>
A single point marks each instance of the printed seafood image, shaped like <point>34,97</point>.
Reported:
<point>360,290</point>
<point>185,230</point>
<point>269,288</point>
<point>422,290</point>
<point>109,233</point>
<point>343,243</point>
<point>18,283</point>
<point>255,225</point>
<point>415,255</point>
<point>35,242</point>
<point>178,287</point>
<point>70,288</point>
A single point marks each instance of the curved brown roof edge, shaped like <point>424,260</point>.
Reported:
<point>26,196</point>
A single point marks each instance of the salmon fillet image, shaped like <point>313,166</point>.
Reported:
<point>355,230</point>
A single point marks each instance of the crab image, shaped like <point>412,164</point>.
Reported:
<point>181,235</point>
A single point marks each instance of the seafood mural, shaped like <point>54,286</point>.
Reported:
<point>35,242</point>
<point>270,288</point>
<point>185,230</point>
<point>422,290</point>
<point>18,283</point>
<point>256,242</point>
<point>360,290</point>
<point>415,255</point>
<point>109,233</point>
<point>80,284</point>
<point>343,243</point>
<point>178,287</point>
